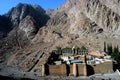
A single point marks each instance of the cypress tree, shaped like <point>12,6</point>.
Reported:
<point>109,49</point>
<point>117,48</point>
<point>116,54</point>
<point>105,47</point>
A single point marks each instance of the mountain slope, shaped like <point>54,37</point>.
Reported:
<point>90,22</point>
<point>5,26</point>
<point>19,12</point>
<point>20,26</point>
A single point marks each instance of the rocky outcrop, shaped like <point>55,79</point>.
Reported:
<point>19,26</point>
<point>19,12</point>
<point>25,21</point>
<point>58,18</point>
<point>88,16</point>
<point>114,5</point>
<point>49,12</point>
<point>102,15</point>
<point>29,26</point>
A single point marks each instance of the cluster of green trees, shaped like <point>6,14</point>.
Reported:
<point>71,50</point>
<point>55,55</point>
<point>113,51</point>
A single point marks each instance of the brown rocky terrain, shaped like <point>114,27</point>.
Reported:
<point>30,32</point>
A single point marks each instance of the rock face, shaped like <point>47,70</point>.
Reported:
<point>19,26</point>
<point>29,26</point>
<point>91,16</point>
<point>103,16</point>
<point>25,21</point>
<point>5,26</point>
<point>32,30</point>
<point>49,11</point>
<point>19,12</point>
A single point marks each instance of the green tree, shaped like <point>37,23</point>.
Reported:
<point>59,50</point>
<point>109,49</point>
<point>116,49</point>
<point>105,47</point>
<point>116,54</point>
<point>67,50</point>
<point>78,50</point>
<point>83,48</point>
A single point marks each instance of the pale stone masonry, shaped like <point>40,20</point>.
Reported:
<point>77,69</point>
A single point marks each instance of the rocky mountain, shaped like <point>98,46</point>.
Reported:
<point>49,11</point>
<point>91,16</point>
<point>83,22</point>
<point>23,22</point>
<point>27,30</point>
<point>19,12</point>
<point>19,26</point>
